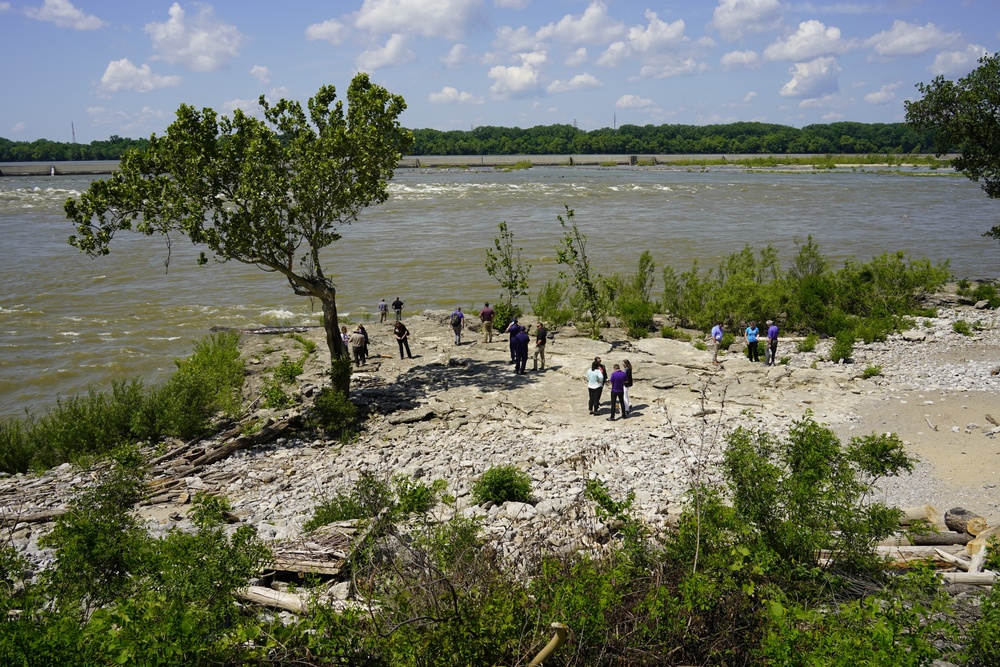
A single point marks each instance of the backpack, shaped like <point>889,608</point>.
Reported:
<point>455,319</point>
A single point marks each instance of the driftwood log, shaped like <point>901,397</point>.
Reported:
<point>962,520</point>
<point>272,598</point>
<point>976,578</point>
<point>940,539</point>
<point>921,514</point>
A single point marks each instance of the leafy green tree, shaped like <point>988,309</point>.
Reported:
<point>506,267</point>
<point>964,116</point>
<point>272,192</point>
<point>573,254</point>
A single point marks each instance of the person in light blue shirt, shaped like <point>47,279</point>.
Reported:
<point>751,335</point>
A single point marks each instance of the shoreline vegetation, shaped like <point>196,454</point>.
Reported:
<point>772,563</point>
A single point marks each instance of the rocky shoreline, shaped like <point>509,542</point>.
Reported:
<point>452,412</point>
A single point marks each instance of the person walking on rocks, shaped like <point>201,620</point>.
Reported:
<point>383,310</point>
<point>358,346</point>
<point>595,384</point>
<point>627,367</point>
<point>486,315</point>
<point>541,334</point>
<point>457,322</point>
<point>617,381</point>
<point>751,335</point>
<point>364,332</point>
<point>716,341</point>
<point>397,307</point>
<point>521,341</point>
<point>402,335</point>
<point>513,329</point>
<point>772,343</point>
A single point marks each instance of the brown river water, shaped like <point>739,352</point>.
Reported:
<point>68,322</point>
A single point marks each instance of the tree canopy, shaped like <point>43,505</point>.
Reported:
<point>271,192</point>
<point>964,117</point>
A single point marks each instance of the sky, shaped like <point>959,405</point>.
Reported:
<point>122,67</point>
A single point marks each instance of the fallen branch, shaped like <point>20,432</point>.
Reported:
<point>272,598</point>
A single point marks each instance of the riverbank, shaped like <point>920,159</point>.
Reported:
<point>452,412</point>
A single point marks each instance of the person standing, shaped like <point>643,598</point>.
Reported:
<point>358,346</point>
<point>521,341</point>
<point>383,310</point>
<point>513,329</point>
<point>397,307</point>
<point>595,383</point>
<point>486,316</point>
<point>716,341</point>
<point>402,335</point>
<point>751,335</point>
<point>772,343</point>
<point>457,324</point>
<point>344,336</point>
<point>541,336</point>
<point>617,381</point>
<point>627,367</point>
<point>604,371</point>
<point>364,332</point>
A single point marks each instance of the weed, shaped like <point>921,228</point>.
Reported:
<point>784,361</point>
<point>807,344</point>
<point>308,345</point>
<point>871,371</point>
<point>334,412</point>
<point>961,327</point>
<point>843,346</point>
<point>501,484</point>
<point>674,334</point>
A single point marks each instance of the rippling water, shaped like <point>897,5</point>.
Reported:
<point>67,321</point>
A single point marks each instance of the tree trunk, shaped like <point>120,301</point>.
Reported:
<point>340,381</point>
<point>962,520</point>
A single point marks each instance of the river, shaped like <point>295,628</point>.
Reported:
<point>68,322</point>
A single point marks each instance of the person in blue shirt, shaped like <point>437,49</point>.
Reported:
<point>751,335</point>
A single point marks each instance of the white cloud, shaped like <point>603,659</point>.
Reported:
<point>812,79</point>
<point>908,39</point>
<point>670,67</point>
<point>655,35</point>
<point>261,73</point>
<point>5,7</point>
<point>832,117</point>
<point>595,25</point>
<point>633,102</point>
<point>123,75</point>
<point>457,55</point>
<point>515,39</point>
<point>957,62</point>
<point>735,19</point>
<point>63,14</point>
<point>740,59</point>
<point>449,95</point>
<point>450,19</point>
<point>577,58</point>
<point>249,107</point>
<point>17,128</point>
<point>519,80</point>
<point>749,97</point>
<point>202,43</point>
<point>583,81</point>
<point>823,102</point>
<point>395,52</point>
<point>512,4</point>
<point>811,40</point>
<point>332,31</point>
<point>883,95</point>
<point>614,55</point>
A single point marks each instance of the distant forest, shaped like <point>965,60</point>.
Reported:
<point>843,137</point>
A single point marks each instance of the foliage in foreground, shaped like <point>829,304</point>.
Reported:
<point>205,385</point>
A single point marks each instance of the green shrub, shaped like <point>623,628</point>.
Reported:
<point>551,304</point>
<point>963,286</point>
<point>871,371</point>
<point>372,495</point>
<point>275,396</point>
<point>872,329</point>
<point>807,344</point>
<point>961,327</point>
<point>501,484</point>
<point>728,338</point>
<point>987,292</point>
<point>674,334</point>
<point>16,451</point>
<point>784,361</point>
<point>334,412</point>
<point>308,345</point>
<point>984,635</point>
<point>287,370</point>
<point>843,346</point>
<point>504,314</point>
<point>700,345</point>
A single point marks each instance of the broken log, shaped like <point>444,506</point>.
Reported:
<point>37,517</point>
<point>272,598</point>
<point>922,514</point>
<point>962,520</point>
<point>940,539</point>
<point>975,578</point>
<point>960,563</point>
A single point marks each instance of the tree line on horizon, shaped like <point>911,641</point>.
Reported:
<point>742,137</point>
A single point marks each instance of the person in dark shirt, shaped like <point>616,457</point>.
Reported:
<point>397,307</point>
<point>402,335</point>
<point>521,341</point>
<point>541,334</point>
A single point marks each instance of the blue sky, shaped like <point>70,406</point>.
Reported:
<point>124,66</point>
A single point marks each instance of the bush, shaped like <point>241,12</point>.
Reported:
<point>501,484</point>
<point>872,329</point>
<point>503,314</point>
<point>843,346</point>
<point>728,338</point>
<point>987,292</point>
<point>984,646</point>
<point>871,371</point>
<point>807,344</point>
<point>371,495</point>
<point>961,327</point>
<point>551,304</point>
<point>674,334</point>
<point>333,412</point>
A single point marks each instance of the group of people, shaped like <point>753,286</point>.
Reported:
<point>357,340</point>
<point>752,337</point>
<point>520,340</point>
<point>619,380</point>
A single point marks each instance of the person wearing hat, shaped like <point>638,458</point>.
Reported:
<point>772,343</point>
